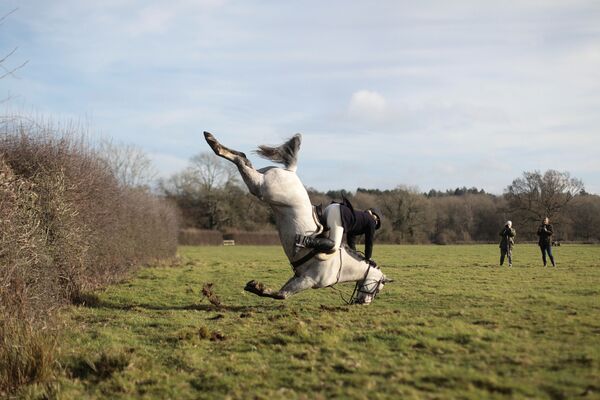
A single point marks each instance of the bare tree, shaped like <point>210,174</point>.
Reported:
<point>536,196</point>
<point>212,172</point>
<point>408,212</point>
<point>584,215</point>
<point>129,163</point>
<point>204,190</point>
<point>6,70</point>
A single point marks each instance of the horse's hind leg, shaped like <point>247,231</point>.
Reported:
<point>293,286</point>
<point>252,178</point>
<point>226,153</point>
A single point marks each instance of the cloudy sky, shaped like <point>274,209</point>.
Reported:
<point>434,94</point>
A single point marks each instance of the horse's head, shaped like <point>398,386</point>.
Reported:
<point>368,288</point>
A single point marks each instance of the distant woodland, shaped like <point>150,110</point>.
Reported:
<point>210,196</point>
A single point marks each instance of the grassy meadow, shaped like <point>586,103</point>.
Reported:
<point>452,325</point>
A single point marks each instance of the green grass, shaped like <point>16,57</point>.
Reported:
<point>452,325</point>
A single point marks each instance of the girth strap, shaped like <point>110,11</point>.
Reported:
<point>299,262</point>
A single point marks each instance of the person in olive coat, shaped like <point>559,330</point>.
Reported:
<point>507,242</point>
<point>545,233</point>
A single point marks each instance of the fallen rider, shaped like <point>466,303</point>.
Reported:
<point>341,218</point>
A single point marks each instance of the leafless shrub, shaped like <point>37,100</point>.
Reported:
<point>67,225</point>
<point>129,163</point>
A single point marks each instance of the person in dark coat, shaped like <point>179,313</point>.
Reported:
<point>342,219</point>
<point>357,223</point>
<point>507,242</point>
<point>545,232</point>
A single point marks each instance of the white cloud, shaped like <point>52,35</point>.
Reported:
<point>367,105</point>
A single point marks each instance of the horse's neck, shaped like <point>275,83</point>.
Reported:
<point>292,221</point>
<point>355,270</point>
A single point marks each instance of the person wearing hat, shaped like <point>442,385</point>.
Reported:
<point>507,242</point>
<point>342,219</point>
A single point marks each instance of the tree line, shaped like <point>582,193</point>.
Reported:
<point>210,196</point>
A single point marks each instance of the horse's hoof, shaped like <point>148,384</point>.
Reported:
<point>213,143</point>
<point>254,287</point>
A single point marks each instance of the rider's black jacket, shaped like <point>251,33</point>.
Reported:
<point>357,223</point>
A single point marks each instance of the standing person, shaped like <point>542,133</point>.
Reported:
<point>507,242</point>
<point>545,233</point>
<point>343,219</point>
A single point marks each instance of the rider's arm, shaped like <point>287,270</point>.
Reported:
<point>351,240</point>
<point>369,233</point>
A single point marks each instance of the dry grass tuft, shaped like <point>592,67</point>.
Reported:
<point>27,354</point>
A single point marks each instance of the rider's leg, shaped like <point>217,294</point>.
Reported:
<point>333,215</point>
<point>336,232</point>
<point>321,244</point>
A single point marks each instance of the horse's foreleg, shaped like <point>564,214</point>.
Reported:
<point>261,290</point>
<point>293,286</point>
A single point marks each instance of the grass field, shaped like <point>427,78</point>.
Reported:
<point>452,325</point>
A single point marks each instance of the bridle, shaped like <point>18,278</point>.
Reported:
<point>361,285</point>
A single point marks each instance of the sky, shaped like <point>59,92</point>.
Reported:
<point>429,94</point>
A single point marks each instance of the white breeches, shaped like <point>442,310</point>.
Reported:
<point>333,216</point>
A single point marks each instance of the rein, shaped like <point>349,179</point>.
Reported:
<point>358,288</point>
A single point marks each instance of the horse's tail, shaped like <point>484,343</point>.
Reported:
<point>286,154</point>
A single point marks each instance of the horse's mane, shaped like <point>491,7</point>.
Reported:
<point>286,154</point>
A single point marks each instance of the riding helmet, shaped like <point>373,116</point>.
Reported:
<point>375,211</point>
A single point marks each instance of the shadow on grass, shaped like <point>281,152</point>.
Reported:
<point>101,304</point>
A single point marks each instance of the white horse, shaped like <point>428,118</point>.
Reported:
<point>283,191</point>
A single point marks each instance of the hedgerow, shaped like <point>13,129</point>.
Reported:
<point>67,226</point>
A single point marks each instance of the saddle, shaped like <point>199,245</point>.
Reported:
<point>318,241</point>
<point>308,242</point>
<point>320,218</point>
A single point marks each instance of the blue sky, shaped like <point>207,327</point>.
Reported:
<point>434,94</point>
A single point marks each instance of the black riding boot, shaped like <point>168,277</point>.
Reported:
<point>321,244</point>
